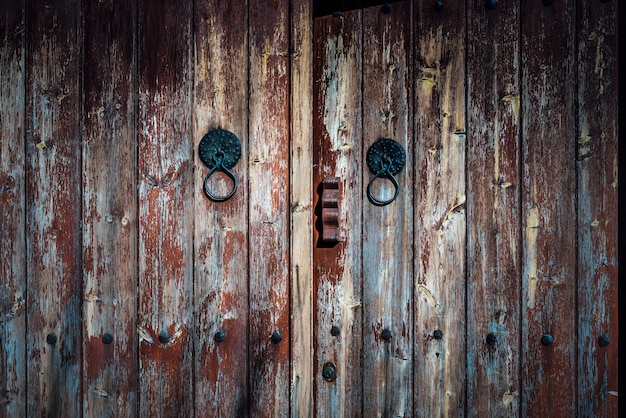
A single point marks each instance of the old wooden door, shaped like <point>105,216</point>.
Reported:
<point>488,287</point>
<point>462,295</point>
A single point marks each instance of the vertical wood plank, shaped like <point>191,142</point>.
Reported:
<point>54,239</point>
<point>301,206</point>
<point>337,269</point>
<point>548,209</point>
<point>493,209</point>
<point>440,209</point>
<point>388,230</point>
<point>269,207</point>
<point>221,228</point>
<point>12,206</point>
<point>597,210</point>
<point>166,197</point>
<point>109,210</point>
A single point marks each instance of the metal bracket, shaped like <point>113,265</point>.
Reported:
<point>385,158</point>
<point>219,150</point>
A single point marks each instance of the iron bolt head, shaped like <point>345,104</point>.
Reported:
<point>547,339</point>
<point>491,339</point>
<point>220,336</point>
<point>386,9</point>
<point>438,334</point>
<point>386,335</point>
<point>439,5</point>
<point>107,338</point>
<point>164,337</point>
<point>491,4</point>
<point>329,372</point>
<point>604,340</point>
<point>51,338</point>
<point>276,337</point>
<point>334,331</point>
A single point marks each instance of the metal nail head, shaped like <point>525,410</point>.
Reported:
<point>107,338</point>
<point>164,337</point>
<point>386,335</point>
<point>491,339</point>
<point>439,5</point>
<point>334,331</point>
<point>438,334</point>
<point>604,340</point>
<point>51,338</point>
<point>547,339</point>
<point>220,336</point>
<point>386,9</point>
<point>276,337</point>
<point>329,372</point>
<point>491,4</point>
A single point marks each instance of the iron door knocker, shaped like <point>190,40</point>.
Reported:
<point>385,158</point>
<point>219,150</point>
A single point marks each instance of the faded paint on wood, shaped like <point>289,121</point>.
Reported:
<point>440,223</point>
<point>268,272</point>
<point>549,386</point>
<point>301,207</point>
<point>221,228</point>
<point>13,362</point>
<point>109,211</point>
<point>166,196</point>
<point>597,208</point>
<point>493,70</point>
<point>387,230</point>
<point>53,166</point>
<point>338,269</point>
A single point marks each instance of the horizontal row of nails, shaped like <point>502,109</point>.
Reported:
<point>220,336</point>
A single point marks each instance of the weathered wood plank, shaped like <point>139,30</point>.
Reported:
<point>597,208</point>
<point>166,196</point>
<point>12,206</point>
<point>269,207</point>
<point>337,269</point>
<point>388,230</point>
<point>440,209</point>
<point>493,210</point>
<point>221,228</point>
<point>548,209</point>
<point>301,206</point>
<point>109,210</point>
<point>53,164</point>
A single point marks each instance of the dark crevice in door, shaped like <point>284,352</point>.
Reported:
<point>328,7</point>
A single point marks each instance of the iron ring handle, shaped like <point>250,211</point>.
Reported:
<point>220,167</point>
<point>384,173</point>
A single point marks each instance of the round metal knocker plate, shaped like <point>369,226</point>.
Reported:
<point>386,157</point>
<point>219,146</point>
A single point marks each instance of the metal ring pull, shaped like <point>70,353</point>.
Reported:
<point>385,158</point>
<point>219,150</point>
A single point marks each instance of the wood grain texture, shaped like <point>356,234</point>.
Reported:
<point>269,152</point>
<point>221,228</point>
<point>53,164</point>
<point>13,363</point>
<point>109,210</point>
<point>338,269</point>
<point>549,224</point>
<point>440,223</point>
<point>597,208</point>
<point>301,207</point>
<point>166,196</point>
<point>388,230</point>
<point>493,71</point>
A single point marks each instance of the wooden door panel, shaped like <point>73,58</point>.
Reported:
<point>110,341</point>
<point>165,167</point>
<point>493,154</point>
<point>53,202</point>
<point>338,153</point>
<point>387,241</point>
<point>221,228</point>
<point>13,256</point>
<point>440,221</point>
